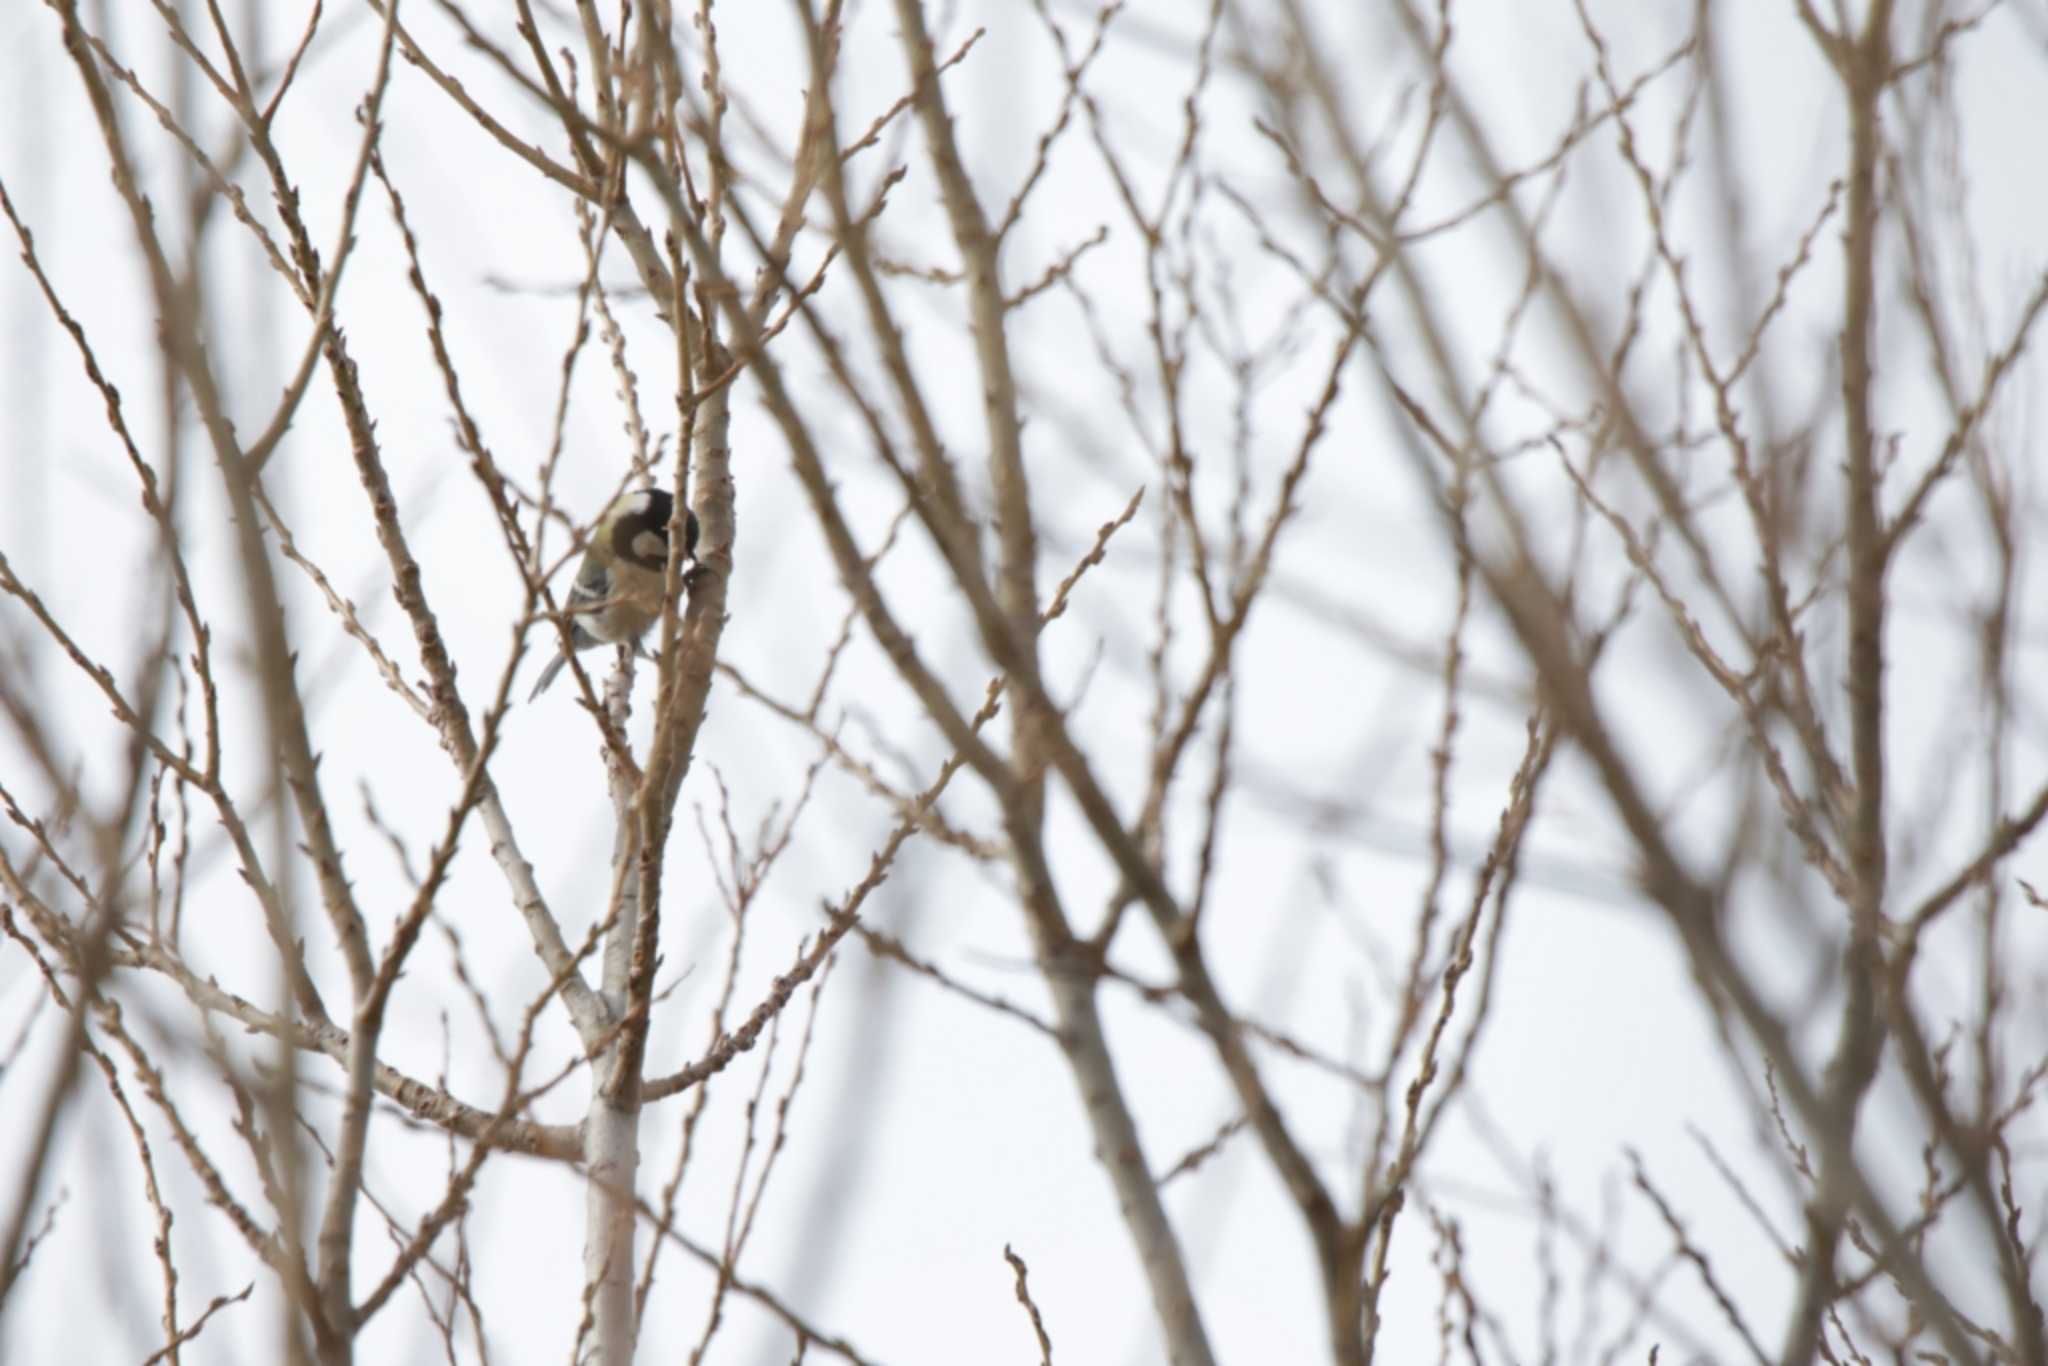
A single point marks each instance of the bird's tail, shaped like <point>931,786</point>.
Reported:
<point>547,676</point>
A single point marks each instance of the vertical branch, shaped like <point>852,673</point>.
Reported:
<point>1072,985</point>
<point>1863,67</point>
<point>611,1122</point>
<point>1016,580</point>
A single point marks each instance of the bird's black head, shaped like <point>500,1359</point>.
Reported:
<point>639,528</point>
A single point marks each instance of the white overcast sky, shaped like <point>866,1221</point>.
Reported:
<point>928,1134</point>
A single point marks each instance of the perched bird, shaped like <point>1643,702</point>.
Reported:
<point>617,594</point>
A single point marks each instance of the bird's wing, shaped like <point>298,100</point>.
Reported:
<point>593,585</point>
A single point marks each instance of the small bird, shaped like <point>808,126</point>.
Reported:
<point>618,589</point>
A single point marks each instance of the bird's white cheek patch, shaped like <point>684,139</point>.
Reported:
<point>649,545</point>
